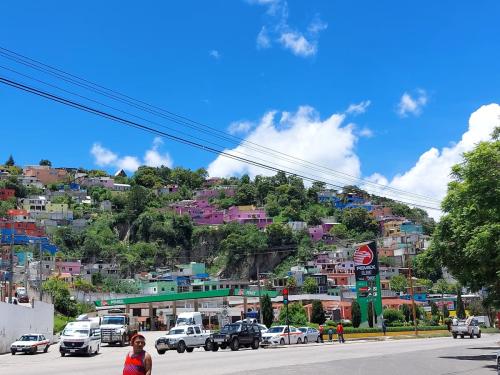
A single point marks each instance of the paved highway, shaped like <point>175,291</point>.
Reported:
<point>409,357</point>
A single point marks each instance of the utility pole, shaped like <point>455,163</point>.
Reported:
<point>260,297</point>
<point>11,262</point>
<point>414,308</point>
<point>40,270</point>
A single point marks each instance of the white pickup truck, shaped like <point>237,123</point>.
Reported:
<point>184,338</point>
<point>469,327</point>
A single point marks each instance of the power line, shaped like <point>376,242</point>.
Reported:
<point>186,121</point>
<point>136,125</point>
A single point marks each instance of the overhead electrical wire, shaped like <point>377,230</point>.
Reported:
<point>151,130</point>
<point>181,120</point>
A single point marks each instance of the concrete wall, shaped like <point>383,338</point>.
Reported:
<point>17,320</point>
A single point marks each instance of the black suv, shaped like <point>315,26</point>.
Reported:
<point>236,335</point>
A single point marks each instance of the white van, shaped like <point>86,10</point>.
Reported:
<point>81,337</point>
<point>189,318</point>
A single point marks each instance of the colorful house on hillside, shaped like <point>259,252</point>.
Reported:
<point>6,194</point>
<point>200,211</point>
<point>74,268</point>
<point>248,215</point>
<point>215,192</point>
<point>45,174</point>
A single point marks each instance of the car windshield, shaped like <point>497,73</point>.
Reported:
<point>230,328</point>
<point>29,338</point>
<point>176,332</point>
<point>75,332</point>
<point>275,330</point>
<point>113,320</point>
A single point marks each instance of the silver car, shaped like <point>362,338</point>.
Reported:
<point>310,334</point>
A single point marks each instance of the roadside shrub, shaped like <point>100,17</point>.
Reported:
<point>392,316</point>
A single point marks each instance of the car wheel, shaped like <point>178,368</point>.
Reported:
<point>97,350</point>
<point>13,352</point>
<point>33,351</point>
<point>189,350</point>
<point>255,344</point>
<point>208,345</point>
<point>161,351</point>
<point>454,335</point>
<point>282,342</point>
<point>235,345</point>
<point>215,347</point>
<point>46,349</point>
<point>181,347</point>
<point>306,340</point>
<point>299,341</point>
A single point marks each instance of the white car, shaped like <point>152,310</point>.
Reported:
<point>311,334</point>
<point>278,335</point>
<point>30,343</point>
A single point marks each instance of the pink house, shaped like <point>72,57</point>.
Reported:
<point>316,233</point>
<point>71,267</point>
<point>228,191</point>
<point>201,212</point>
<point>248,215</point>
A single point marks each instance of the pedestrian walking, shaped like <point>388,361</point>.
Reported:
<point>384,326</point>
<point>321,331</point>
<point>340,332</point>
<point>138,362</point>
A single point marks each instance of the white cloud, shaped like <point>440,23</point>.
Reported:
<point>277,30</point>
<point>301,134</point>
<point>412,104</point>
<point>366,132</point>
<point>431,173</point>
<point>298,44</point>
<point>263,40</point>
<point>104,157</point>
<point>239,127</point>
<point>316,26</point>
<point>215,54</point>
<point>153,158</point>
<point>357,109</point>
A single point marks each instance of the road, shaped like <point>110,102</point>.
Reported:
<point>405,356</point>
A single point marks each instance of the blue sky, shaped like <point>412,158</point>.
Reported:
<point>416,71</point>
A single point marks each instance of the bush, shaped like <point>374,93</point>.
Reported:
<point>392,316</point>
<point>60,322</point>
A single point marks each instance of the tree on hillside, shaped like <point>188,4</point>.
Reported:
<point>10,161</point>
<point>317,313</point>
<point>460,304</point>
<point>356,314</point>
<point>359,220</point>
<point>45,162</point>
<point>267,310</point>
<point>466,240</point>
<point>398,283</point>
<point>310,285</point>
<point>59,291</point>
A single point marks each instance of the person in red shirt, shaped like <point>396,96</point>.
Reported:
<point>340,332</point>
<point>138,362</point>
<point>321,329</point>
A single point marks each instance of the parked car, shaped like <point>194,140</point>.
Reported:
<point>236,335</point>
<point>278,335</point>
<point>310,334</point>
<point>31,343</point>
<point>183,338</point>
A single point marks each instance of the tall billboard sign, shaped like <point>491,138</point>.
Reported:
<point>368,281</point>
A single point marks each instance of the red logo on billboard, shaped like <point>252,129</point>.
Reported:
<point>363,256</point>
